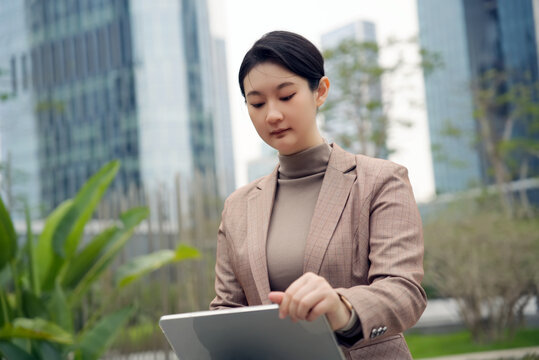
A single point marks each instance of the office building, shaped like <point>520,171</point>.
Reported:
<point>128,80</point>
<point>472,37</point>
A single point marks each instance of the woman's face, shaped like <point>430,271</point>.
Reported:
<point>282,107</point>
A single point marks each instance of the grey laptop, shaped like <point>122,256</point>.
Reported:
<point>253,332</point>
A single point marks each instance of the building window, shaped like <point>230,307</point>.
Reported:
<point>91,53</point>
<point>115,44</point>
<point>36,70</point>
<point>81,57</point>
<point>13,76</point>
<point>103,49</point>
<point>68,59</point>
<point>24,67</point>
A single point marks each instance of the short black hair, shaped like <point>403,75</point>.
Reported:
<point>290,50</point>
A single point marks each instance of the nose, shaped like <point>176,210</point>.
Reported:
<point>274,114</point>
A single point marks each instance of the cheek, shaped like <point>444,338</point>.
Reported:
<point>257,121</point>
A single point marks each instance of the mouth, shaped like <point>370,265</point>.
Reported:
<point>279,131</point>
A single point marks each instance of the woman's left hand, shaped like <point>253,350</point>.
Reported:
<point>309,297</point>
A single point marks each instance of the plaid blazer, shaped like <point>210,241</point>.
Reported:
<point>365,239</point>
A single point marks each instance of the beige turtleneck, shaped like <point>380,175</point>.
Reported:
<point>298,186</point>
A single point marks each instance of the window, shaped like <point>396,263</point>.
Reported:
<point>80,56</point>
<point>103,49</point>
<point>36,69</point>
<point>68,60</point>
<point>115,45</point>
<point>24,67</point>
<point>91,53</point>
<point>13,76</point>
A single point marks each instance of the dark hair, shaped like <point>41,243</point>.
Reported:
<point>291,51</point>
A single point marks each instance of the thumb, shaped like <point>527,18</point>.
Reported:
<point>276,297</point>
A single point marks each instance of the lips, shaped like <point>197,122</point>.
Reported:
<point>279,131</point>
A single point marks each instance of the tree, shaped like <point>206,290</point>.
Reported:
<point>507,112</point>
<point>44,283</point>
<point>356,113</point>
<point>486,261</point>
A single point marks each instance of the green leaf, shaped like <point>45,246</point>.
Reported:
<point>8,239</point>
<point>59,310</point>
<point>79,265</point>
<point>46,351</point>
<point>32,306</point>
<point>94,342</point>
<point>69,231</point>
<point>36,328</point>
<point>47,262</point>
<point>12,351</point>
<point>130,219</point>
<point>31,246</point>
<point>137,267</point>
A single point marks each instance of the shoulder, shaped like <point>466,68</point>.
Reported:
<point>243,193</point>
<point>381,167</point>
<point>366,166</point>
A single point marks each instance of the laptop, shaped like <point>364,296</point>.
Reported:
<point>253,332</point>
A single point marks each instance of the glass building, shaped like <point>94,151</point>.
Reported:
<point>17,124</point>
<point>117,79</point>
<point>472,37</point>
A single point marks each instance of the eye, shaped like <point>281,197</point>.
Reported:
<point>286,98</point>
<point>257,105</point>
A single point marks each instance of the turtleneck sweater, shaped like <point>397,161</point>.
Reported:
<point>298,185</point>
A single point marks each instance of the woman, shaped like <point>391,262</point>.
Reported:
<point>327,232</point>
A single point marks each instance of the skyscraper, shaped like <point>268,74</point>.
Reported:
<point>472,38</point>
<point>129,80</point>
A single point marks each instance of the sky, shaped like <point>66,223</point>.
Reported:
<point>242,22</point>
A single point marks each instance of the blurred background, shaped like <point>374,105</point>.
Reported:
<point>447,88</point>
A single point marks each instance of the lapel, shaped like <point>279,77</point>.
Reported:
<point>334,192</point>
<point>333,196</point>
<point>259,207</point>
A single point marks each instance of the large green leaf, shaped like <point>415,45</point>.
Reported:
<point>8,239</point>
<point>32,306</point>
<point>140,266</point>
<point>79,265</point>
<point>95,341</point>
<point>47,262</point>
<point>130,219</point>
<point>45,350</point>
<point>68,233</point>
<point>36,328</point>
<point>31,247</point>
<point>59,310</point>
<point>12,351</point>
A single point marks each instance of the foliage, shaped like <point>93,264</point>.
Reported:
<point>434,345</point>
<point>506,109</point>
<point>356,113</point>
<point>507,112</point>
<point>485,260</point>
<point>44,282</point>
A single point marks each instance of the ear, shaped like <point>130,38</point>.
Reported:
<point>321,93</point>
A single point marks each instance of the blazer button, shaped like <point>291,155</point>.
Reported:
<point>384,329</point>
<point>374,333</point>
<point>380,330</point>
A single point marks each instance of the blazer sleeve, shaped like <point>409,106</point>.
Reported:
<point>393,300</point>
<point>229,292</point>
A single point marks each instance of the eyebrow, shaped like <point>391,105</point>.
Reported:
<point>279,87</point>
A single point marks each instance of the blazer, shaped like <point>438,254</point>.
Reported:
<point>365,239</point>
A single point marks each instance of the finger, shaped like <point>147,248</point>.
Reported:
<point>311,292</point>
<point>288,294</point>
<point>276,297</point>
<point>319,309</point>
<point>307,303</point>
